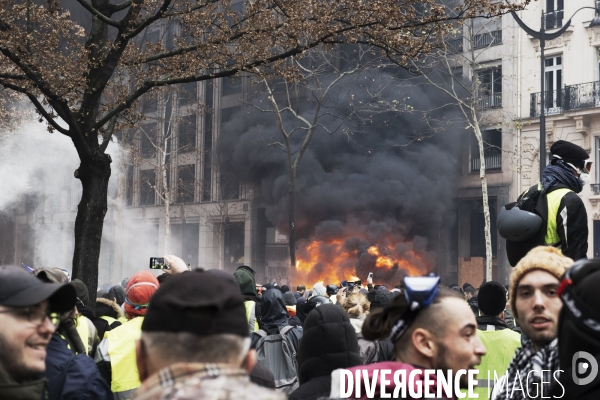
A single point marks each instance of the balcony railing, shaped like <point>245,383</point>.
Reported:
<point>491,162</point>
<point>595,188</point>
<point>554,19</point>
<point>573,97</point>
<point>487,39</point>
<point>455,46</point>
<point>491,101</point>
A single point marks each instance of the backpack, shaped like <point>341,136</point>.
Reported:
<point>533,201</point>
<point>276,353</point>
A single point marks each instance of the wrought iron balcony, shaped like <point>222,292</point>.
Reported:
<point>490,101</point>
<point>595,188</point>
<point>455,45</point>
<point>554,19</point>
<point>492,162</point>
<point>572,97</point>
<point>487,39</point>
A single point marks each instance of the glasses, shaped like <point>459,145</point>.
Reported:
<point>34,315</point>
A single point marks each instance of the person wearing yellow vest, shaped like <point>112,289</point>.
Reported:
<point>500,341</point>
<point>245,277</point>
<point>115,356</point>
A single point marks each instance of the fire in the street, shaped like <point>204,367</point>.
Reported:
<point>353,258</point>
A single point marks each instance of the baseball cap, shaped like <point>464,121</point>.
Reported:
<point>198,302</point>
<point>18,288</point>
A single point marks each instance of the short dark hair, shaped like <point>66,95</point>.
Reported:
<point>300,287</point>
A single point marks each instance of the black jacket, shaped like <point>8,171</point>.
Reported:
<point>274,316</point>
<point>570,390</point>
<point>572,226</point>
<point>329,342</point>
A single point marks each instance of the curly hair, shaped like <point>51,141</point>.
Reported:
<point>356,305</point>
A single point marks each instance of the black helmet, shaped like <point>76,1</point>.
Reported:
<point>518,225</point>
<point>331,290</point>
<point>313,303</point>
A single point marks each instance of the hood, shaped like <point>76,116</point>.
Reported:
<point>328,343</point>
<point>81,290</point>
<point>273,311</point>
<point>392,366</point>
<point>119,292</point>
<point>245,277</point>
<point>106,307</point>
<point>357,324</point>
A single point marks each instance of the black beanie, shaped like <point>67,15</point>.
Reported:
<point>491,298</point>
<point>569,152</point>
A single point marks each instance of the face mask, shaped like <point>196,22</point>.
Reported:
<point>584,178</point>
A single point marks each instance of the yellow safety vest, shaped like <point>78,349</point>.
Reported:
<point>501,347</point>
<point>81,325</point>
<point>251,315</point>
<point>108,319</point>
<point>121,350</point>
<point>554,199</point>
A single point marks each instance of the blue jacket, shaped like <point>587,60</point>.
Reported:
<point>72,377</point>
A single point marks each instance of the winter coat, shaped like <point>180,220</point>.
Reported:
<point>72,376</point>
<point>119,292</point>
<point>328,343</point>
<point>372,351</point>
<point>29,390</point>
<point>245,277</point>
<point>108,308</point>
<point>183,381</point>
<point>274,317</point>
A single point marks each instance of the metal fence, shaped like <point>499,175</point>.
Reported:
<point>487,39</point>
<point>572,97</point>
<point>595,188</point>
<point>491,162</point>
<point>491,101</point>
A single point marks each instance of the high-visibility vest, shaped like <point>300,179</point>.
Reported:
<point>108,319</point>
<point>554,199</point>
<point>121,350</point>
<point>82,325</point>
<point>501,347</point>
<point>251,315</point>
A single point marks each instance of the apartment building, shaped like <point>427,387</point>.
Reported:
<point>508,71</point>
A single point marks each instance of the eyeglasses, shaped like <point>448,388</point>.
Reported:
<point>35,315</point>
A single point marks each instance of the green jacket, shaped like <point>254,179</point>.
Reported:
<point>34,389</point>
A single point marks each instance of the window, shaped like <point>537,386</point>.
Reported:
<point>188,93</point>
<point>147,185</point>
<point>186,183</point>
<point>231,86</point>
<point>187,133</point>
<point>553,84</point>
<point>148,140</point>
<point>554,14</point>
<point>490,87</point>
<point>492,151</point>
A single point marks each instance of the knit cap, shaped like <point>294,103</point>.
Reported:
<point>138,292</point>
<point>569,152</point>
<point>290,299</point>
<point>491,298</point>
<point>544,258</point>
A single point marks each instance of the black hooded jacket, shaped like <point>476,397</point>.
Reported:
<point>274,317</point>
<point>329,342</point>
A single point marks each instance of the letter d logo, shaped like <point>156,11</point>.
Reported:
<point>580,368</point>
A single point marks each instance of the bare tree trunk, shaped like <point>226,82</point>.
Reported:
<point>94,173</point>
<point>486,205</point>
<point>166,195</point>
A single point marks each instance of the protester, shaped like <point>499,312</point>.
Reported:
<point>116,353</point>
<point>434,331</point>
<point>331,291</point>
<point>284,289</point>
<point>357,307</point>
<point>578,332</point>
<point>500,341</point>
<point>26,307</point>
<point>300,290</point>
<point>89,327</point>
<point>247,282</point>
<point>196,334</point>
<point>290,303</point>
<point>535,304</point>
<point>318,290</point>
<point>311,304</point>
<point>471,298</point>
<point>110,312</point>
<point>119,292</point>
<point>328,343</point>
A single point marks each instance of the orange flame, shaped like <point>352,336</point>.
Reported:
<point>339,259</point>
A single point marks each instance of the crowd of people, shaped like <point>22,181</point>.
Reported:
<point>213,335</point>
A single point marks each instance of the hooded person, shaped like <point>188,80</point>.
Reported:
<point>319,290</point>
<point>290,303</point>
<point>275,317</point>
<point>246,279</point>
<point>116,354</point>
<point>119,292</point>
<point>89,327</point>
<point>109,311</point>
<point>328,343</point>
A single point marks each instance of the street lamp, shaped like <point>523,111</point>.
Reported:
<point>542,36</point>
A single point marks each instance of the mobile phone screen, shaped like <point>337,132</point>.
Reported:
<point>157,263</point>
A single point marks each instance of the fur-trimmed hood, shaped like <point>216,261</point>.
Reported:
<point>108,307</point>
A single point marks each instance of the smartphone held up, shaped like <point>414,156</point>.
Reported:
<point>158,263</point>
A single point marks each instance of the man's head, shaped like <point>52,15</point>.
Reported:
<point>533,293</point>
<point>138,293</point>
<point>301,289</point>
<point>26,304</point>
<point>441,336</point>
<point>195,316</point>
<point>573,155</point>
<point>491,299</point>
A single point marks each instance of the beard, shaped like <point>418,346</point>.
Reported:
<point>11,361</point>
<point>441,364</point>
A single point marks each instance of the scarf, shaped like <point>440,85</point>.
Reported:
<point>560,173</point>
<point>525,360</point>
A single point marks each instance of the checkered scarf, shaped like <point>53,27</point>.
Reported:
<point>525,360</point>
